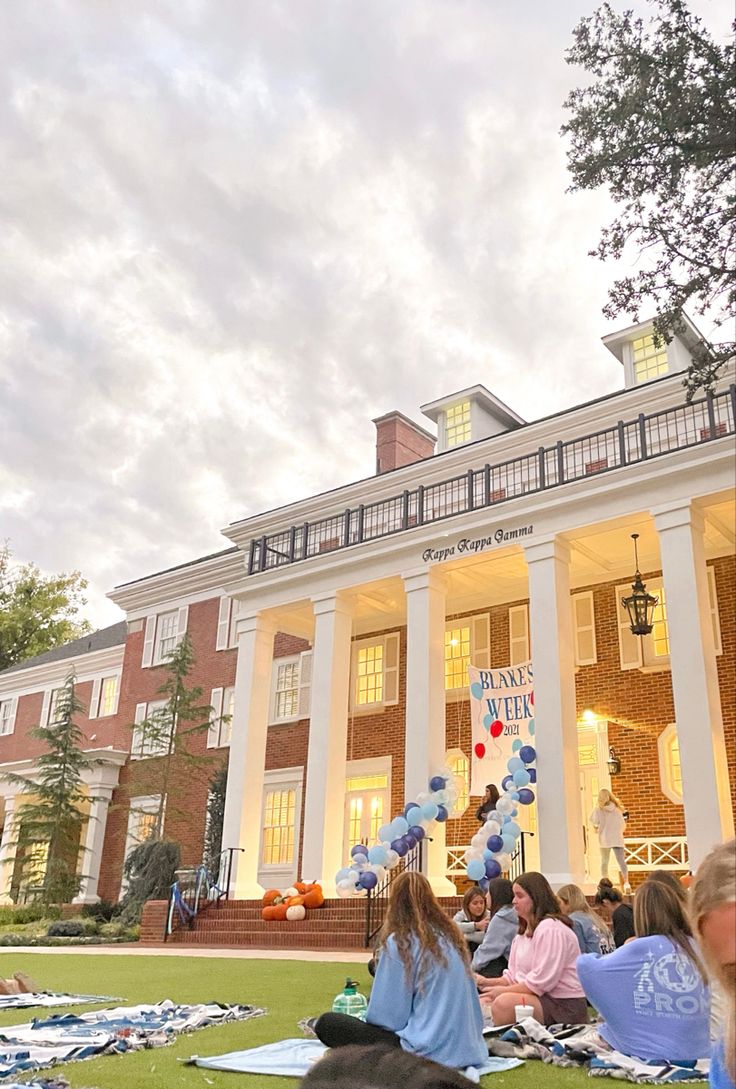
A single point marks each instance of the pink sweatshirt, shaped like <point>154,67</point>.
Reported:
<point>546,961</point>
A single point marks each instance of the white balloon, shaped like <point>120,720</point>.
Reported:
<point>391,859</point>
<point>492,827</point>
<point>351,878</point>
<point>423,797</point>
<point>345,888</point>
<point>440,797</point>
<point>479,840</point>
<point>504,805</point>
<point>504,861</point>
<point>474,853</point>
<point>379,871</point>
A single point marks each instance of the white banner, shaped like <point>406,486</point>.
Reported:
<point>502,720</point>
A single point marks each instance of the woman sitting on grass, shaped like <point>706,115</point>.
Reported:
<point>615,912</point>
<point>541,971</point>
<point>592,933</point>
<point>423,997</point>
<point>651,992</point>
<point>472,919</point>
<point>491,957</point>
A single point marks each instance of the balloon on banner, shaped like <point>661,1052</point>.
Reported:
<point>516,744</point>
<point>496,728</point>
<point>480,750</point>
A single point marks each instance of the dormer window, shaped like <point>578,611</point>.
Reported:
<point>457,424</point>
<point>650,361</point>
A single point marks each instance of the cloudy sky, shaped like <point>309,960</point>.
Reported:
<point>234,231</point>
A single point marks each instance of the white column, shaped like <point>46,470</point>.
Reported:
<point>425,743</point>
<point>559,816</point>
<point>705,785</point>
<point>244,796</point>
<point>94,839</point>
<point>324,807</point>
<point>7,850</point>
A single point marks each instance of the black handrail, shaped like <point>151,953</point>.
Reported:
<point>377,899</point>
<point>518,858</point>
<point>190,898</point>
<point>625,443</point>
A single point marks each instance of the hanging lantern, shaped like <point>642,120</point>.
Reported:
<point>614,764</point>
<point>640,605</point>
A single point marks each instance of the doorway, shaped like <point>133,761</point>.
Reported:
<point>593,775</point>
<point>367,802</point>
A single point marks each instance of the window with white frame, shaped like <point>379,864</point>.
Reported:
<point>279,826</point>
<point>163,633</point>
<point>457,424</point>
<point>652,652</point>
<point>291,687</point>
<point>222,701</point>
<point>375,672</point>
<point>459,764</point>
<point>142,820</point>
<point>53,707</point>
<point>649,361</point>
<point>670,765</point>
<point>467,642</point>
<point>7,716</point>
<point>152,730</point>
<point>109,689</point>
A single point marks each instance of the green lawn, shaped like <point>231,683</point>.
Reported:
<point>289,990</point>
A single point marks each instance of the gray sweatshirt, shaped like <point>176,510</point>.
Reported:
<point>500,932</point>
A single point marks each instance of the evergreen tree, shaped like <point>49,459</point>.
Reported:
<point>215,819</point>
<point>52,819</point>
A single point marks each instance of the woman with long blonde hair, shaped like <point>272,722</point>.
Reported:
<point>713,913</point>
<point>609,820</point>
<point>652,992</point>
<point>592,933</point>
<point>424,998</point>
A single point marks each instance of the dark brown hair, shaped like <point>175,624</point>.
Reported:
<point>546,905</point>
<point>606,891</point>
<point>470,895</point>
<point>376,1066</point>
<point>493,790</point>
<point>501,892</point>
<point>414,912</point>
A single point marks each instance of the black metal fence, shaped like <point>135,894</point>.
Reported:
<point>377,899</point>
<point>627,442</point>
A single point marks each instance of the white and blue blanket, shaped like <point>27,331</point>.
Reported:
<point>27,999</point>
<point>67,1037</point>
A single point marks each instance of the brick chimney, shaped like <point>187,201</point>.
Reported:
<point>399,441</point>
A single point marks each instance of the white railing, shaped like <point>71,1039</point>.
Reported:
<point>657,853</point>
<point>456,866</point>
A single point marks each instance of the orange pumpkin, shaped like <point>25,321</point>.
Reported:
<point>315,898</point>
<point>269,897</point>
<point>295,901</point>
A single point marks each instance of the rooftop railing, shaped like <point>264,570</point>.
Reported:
<point>628,442</point>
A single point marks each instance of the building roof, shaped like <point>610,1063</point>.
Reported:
<point>97,640</point>
<point>493,405</point>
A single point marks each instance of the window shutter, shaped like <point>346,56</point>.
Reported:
<point>391,668</point>
<point>234,614</point>
<point>148,641</point>
<point>518,634</point>
<point>118,682</point>
<point>94,703</point>
<point>583,622</point>
<point>715,620</point>
<point>480,641</point>
<point>181,623</point>
<point>45,708</point>
<point>223,623</point>
<point>213,734</point>
<point>629,646</point>
<point>13,709</point>
<point>305,684</point>
<point>136,748</point>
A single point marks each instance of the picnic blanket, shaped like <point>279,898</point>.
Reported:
<point>295,1058</point>
<point>66,1037</point>
<point>26,999</point>
<point>582,1045</point>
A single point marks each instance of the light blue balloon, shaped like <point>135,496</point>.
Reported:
<point>377,855</point>
<point>487,720</point>
<point>430,811</point>
<point>522,778</point>
<point>516,744</point>
<point>487,854</point>
<point>509,843</point>
<point>384,833</point>
<point>476,869</point>
<point>515,764</point>
<point>399,827</point>
<point>342,874</point>
<point>530,727</point>
<point>476,690</point>
<point>515,796</point>
<point>414,815</point>
<point>512,829</point>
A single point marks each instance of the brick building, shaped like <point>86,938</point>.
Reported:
<point>337,630</point>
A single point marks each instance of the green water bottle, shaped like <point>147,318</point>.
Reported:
<point>350,1001</point>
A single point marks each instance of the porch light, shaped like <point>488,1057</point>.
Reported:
<point>614,764</point>
<point>641,605</point>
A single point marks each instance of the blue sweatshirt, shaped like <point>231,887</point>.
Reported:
<point>652,998</point>
<point>500,932</point>
<point>438,1017</point>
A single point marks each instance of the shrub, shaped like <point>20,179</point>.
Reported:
<point>66,928</point>
<point>102,911</point>
<point>90,927</point>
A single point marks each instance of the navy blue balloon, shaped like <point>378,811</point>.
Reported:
<point>532,773</point>
<point>442,814</point>
<point>494,844</point>
<point>436,783</point>
<point>528,754</point>
<point>526,796</point>
<point>410,840</point>
<point>483,884</point>
<point>358,849</point>
<point>507,782</point>
<point>400,846</point>
<point>417,832</point>
<point>492,868</point>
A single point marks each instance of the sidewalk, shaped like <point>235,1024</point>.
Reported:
<point>360,956</point>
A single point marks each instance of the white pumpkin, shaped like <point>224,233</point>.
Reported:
<point>296,912</point>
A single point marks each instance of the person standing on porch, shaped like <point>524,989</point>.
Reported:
<point>423,999</point>
<point>488,804</point>
<point>609,820</point>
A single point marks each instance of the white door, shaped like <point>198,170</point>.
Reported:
<point>282,796</point>
<point>593,777</point>
<point>367,805</point>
